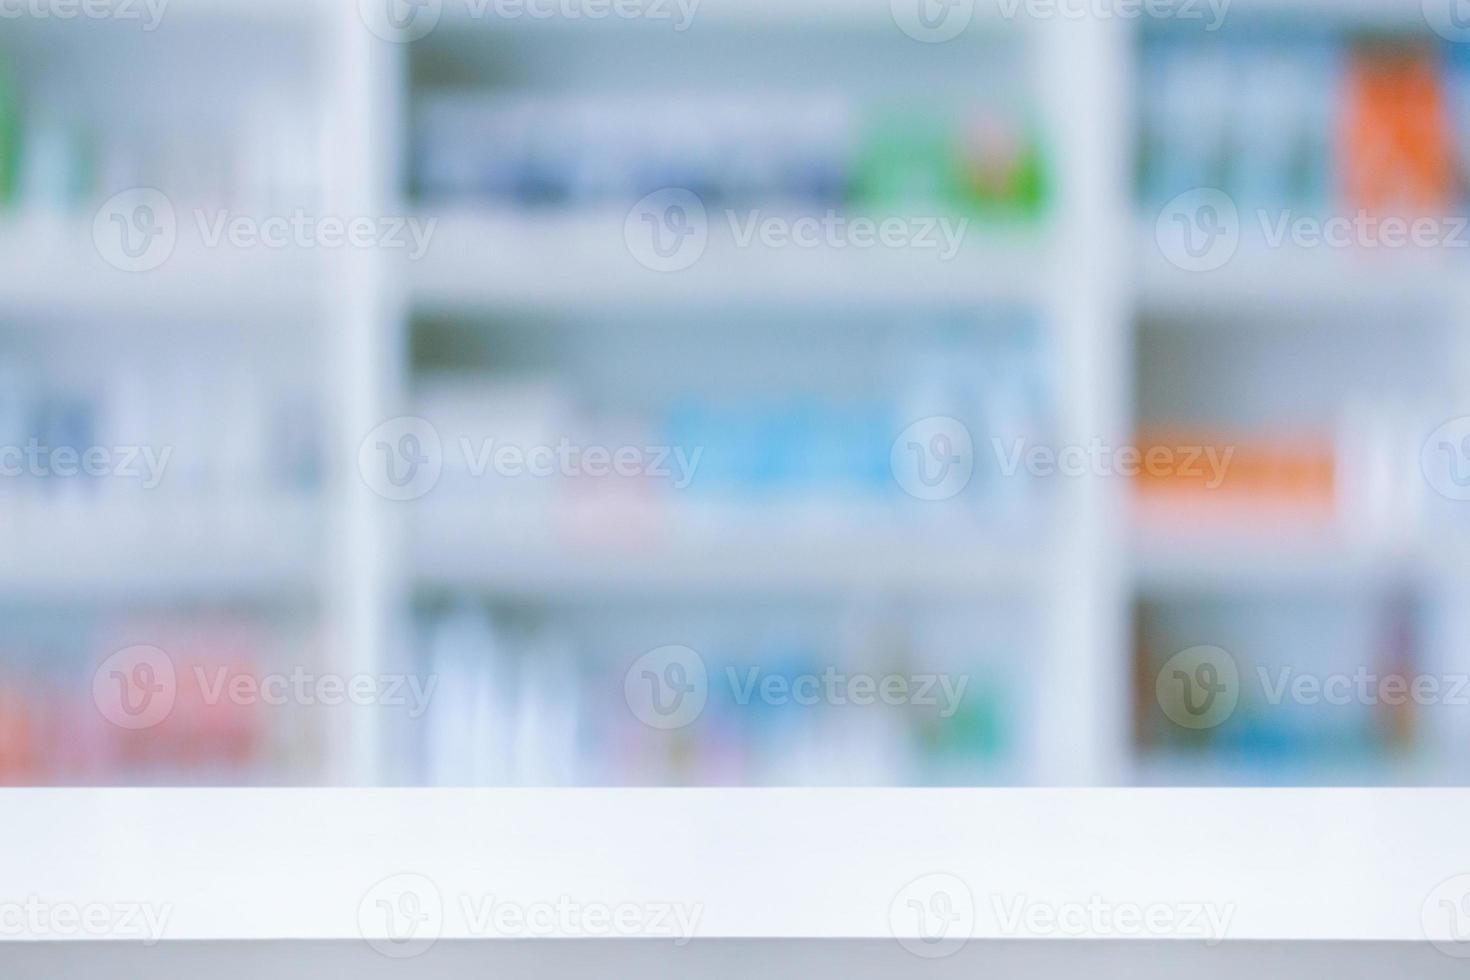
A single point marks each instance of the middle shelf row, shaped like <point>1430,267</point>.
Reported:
<point>478,262</point>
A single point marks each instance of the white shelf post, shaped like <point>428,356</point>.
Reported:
<point>1081,685</point>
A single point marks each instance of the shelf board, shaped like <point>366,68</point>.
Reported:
<point>580,260</point>
<point>55,272</point>
<point>1422,769</point>
<point>1295,282</point>
<point>169,552</point>
<point>1406,15</point>
<point>989,16</point>
<point>606,552</point>
<point>1175,559</point>
<point>1292,865</point>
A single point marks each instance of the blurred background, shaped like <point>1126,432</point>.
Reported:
<point>734,392</point>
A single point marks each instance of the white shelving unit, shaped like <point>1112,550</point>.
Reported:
<point>1071,272</point>
<point>1090,272</point>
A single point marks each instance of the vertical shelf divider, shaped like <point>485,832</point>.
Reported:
<point>364,80</point>
<point>1082,684</point>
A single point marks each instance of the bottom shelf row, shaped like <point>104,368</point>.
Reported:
<point>1314,687</point>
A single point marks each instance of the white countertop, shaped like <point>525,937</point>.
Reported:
<point>733,863</point>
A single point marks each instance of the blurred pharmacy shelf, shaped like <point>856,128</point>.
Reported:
<point>529,233</point>
<point>367,559</point>
<point>537,232</point>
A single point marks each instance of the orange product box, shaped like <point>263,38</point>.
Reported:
<point>1204,468</point>
<point>1395,140</point>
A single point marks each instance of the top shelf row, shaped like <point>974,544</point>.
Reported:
<point>925,20</point>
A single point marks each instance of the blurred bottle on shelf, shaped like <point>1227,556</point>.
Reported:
<point>1322,685</point>
<point>818,444</point>
<point>1305,121</point>
<point>1396,138</point>
<point>809,151</point>
<point>62,152</point>
<point>533,697</point>
<point>9,133</point>
<point>57,728</point>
